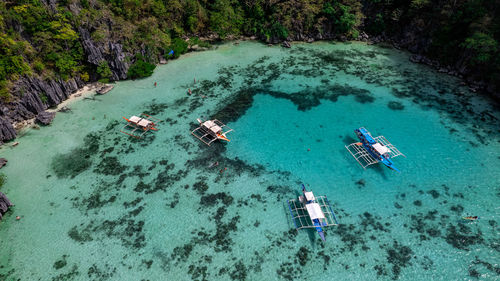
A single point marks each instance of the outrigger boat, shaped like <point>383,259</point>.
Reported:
<point>210,131</point>
<point>471,218</point>
<point>139,125</point>
<point>373,150</point>
<point>311,211</point>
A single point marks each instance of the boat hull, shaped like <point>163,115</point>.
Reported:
<point>319,229</point>
<point>367,141</point>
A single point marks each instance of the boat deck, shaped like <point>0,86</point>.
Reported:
<point>365,159</point>
<point>300,215</point>
<point>143,124</point>
<point>206,135</point>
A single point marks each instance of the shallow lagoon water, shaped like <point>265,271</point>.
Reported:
<point>97,205</point>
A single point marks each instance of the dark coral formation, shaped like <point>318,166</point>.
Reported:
<point>363,231</point>
<point>395,105</point>
<point>61,263</point>
<point>110,166</point>
<point>399,256</point>
<point>78,160</point>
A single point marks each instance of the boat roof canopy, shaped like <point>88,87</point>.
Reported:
<point>210,124</point>
<point>314,211</point>
<point>140,121</point>
<point>135,119</point>
<point>382,149</point>
<point>309,195</point>
<point>144,123</point>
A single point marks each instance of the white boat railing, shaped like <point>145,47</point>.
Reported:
<point>131,127</point>
<point>301,218</point>
<point>206,135</point>
<point>364,158</point>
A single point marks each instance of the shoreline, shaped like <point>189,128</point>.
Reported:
<point>82,93</point>
<point>91,88</point>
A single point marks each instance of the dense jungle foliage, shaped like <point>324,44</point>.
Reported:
<point>43,37</point>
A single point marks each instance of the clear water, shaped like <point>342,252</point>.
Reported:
<point>97,205</point>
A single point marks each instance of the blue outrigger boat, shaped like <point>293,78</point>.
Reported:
<point>373,150</point>
<point>312,212</point>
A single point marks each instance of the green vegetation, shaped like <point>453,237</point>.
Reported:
<point>43,97</point>
<point>196,41</point>
<point>49,46</point>
<point>482,46</point>
<point>179,47</point>
<point>463,33</point>
<point>104,72</point>
<point>140,68</point>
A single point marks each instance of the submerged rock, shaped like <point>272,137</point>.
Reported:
<point>45,118</point>
<point>3,162</point>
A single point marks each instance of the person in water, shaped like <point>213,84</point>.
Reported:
<point>155,84</point>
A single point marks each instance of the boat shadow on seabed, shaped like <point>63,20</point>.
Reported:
<point>378,168</point>
<point>311,233</point>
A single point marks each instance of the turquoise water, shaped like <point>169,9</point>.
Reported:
<point>97,205</point>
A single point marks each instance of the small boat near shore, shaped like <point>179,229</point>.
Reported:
<point>104,89</point>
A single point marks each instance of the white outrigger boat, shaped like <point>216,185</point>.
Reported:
<point>210,131</point>
<point>311,211</point>
<point>142,123</point>
<point>372,150</point>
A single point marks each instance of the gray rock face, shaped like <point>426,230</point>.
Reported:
<point>33,97</point>
<point>52,4</point>
<point>37,95</point>
<point>112,53</point>
<point>4,204</point>
<point>117,62</point>
<point>7,131</point>
<point>45,118</point>
<point>94,53</point>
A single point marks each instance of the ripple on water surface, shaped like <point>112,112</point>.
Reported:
<point>97,205</point>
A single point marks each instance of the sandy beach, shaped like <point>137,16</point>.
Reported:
<point>85,92</point>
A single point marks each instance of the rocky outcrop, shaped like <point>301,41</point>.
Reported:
<point>4,204</point>
<point>7,131</point>
<point>51,4</point>
<point>3,162</point>
<point>117,62</point>
<point>112,52</point>
<point>45,118</point>
<point>37,95</point>
<point>94,53</point>
<point>33,96</point>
